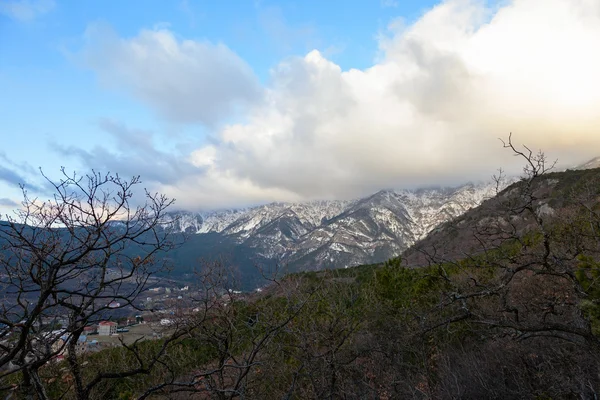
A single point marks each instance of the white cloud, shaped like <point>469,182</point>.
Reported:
<point>185,81</point>
<point>26,10</point>
<point>428,112</point>
<point>137,154</point>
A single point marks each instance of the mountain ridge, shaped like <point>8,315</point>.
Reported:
<point>338,233</point>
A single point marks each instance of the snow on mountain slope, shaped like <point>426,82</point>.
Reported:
<point>218,221</point>
<point>322,234</point>
<point>430,207</point>
<point>593,163</point>
<point>376,227</point>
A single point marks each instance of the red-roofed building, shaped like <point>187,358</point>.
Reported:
<point>107,328</point>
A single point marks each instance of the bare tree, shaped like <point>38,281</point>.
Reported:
<point>240,331</point>
<point>88,248</point>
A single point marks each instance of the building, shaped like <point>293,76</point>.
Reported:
<point>61,345</point>
<point>82,344</point>
<point>107,328</point>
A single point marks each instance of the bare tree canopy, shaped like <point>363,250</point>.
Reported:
<point>68,257</point>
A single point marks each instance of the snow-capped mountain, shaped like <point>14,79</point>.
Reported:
<point>321,234</point>
<point>593,163</point>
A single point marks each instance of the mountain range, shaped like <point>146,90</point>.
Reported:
<point>328,234</point>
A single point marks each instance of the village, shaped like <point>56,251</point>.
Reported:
<point>164,307</point>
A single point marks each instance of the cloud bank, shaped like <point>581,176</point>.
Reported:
<point>429,111</point>
<point>137,155</point>
<point>5,202</point>
<point>185,81</point>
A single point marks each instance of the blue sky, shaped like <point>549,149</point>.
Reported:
<point>228,103</point>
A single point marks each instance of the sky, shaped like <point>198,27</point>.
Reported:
<point>223,104</point>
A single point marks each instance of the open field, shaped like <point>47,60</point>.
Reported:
<point>141,331</point>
